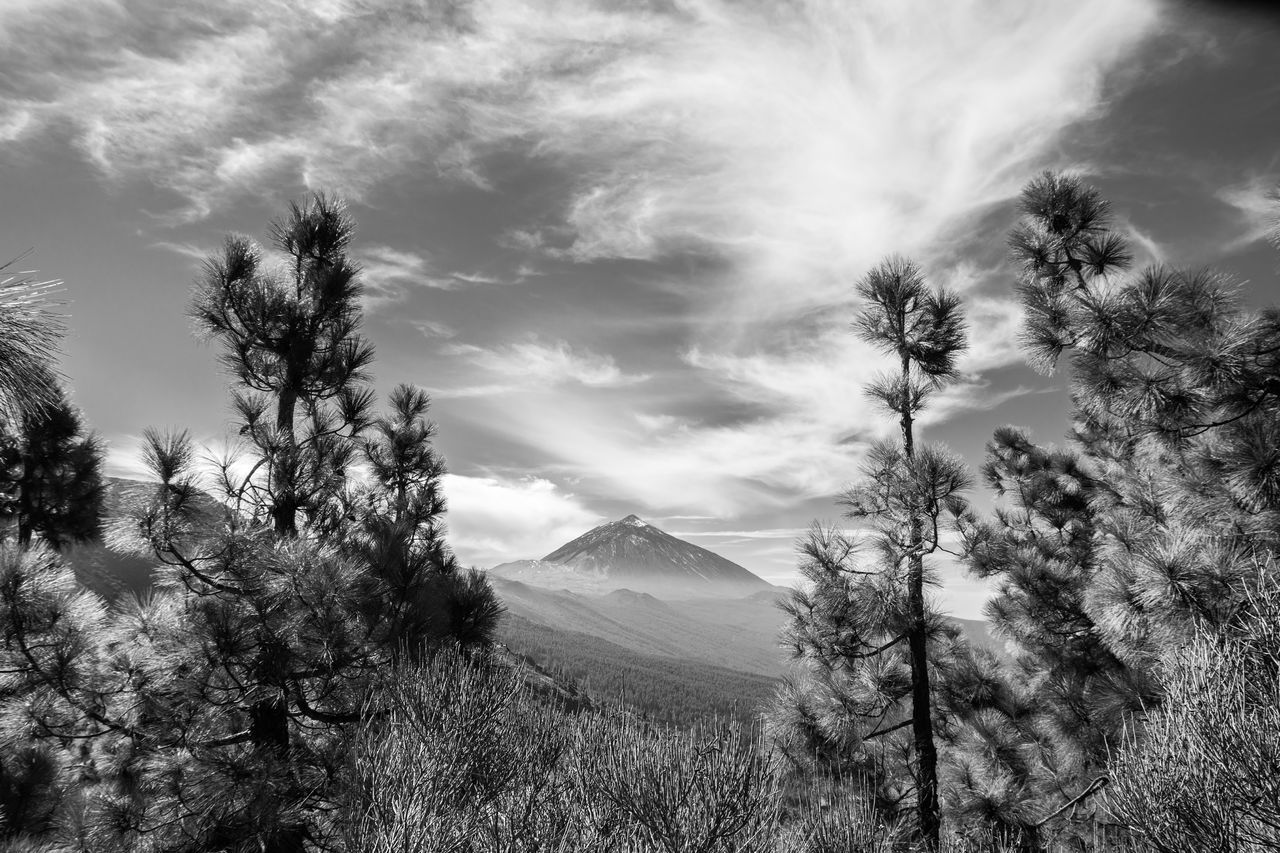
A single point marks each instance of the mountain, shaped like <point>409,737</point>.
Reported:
<point>633,554</point>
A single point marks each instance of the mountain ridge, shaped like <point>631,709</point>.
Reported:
<point>632,554</point>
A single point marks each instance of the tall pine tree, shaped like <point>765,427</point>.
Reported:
<point>217,710</point>
<point>863,627</point>
<point>1151,528</point>
<point>1067,696</point>
<point>1177,395</point>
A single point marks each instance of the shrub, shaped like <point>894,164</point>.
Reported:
<point>1203,773</point>
<point>469,758</point>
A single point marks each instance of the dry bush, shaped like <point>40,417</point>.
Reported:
<point>459,757</point>
<point>1203,773</point>
<point>467,758</point>
<point>679,791</point>
<point>838,818</point>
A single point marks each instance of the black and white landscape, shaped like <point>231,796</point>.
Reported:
<point>622,426</point>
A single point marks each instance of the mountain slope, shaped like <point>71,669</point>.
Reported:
<point>738,634</point>
<point>102,570</point>
<point>632,554</point>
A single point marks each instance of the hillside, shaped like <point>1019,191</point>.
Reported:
<point>664,689</point>
<point>99,568</point>
<point>738,634</point>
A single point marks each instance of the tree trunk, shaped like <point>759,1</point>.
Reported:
<point>284,512</point>
<point>26,485</point>
<point>927,808</point>
<point>922,711</point>
<point>269,733</point>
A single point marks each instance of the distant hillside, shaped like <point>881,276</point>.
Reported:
<point>739,634</point>
<point>979,635</point>
<point>662,688</point>
<point>631,553</point>
<point>102,570</point>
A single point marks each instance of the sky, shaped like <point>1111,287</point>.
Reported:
<point>617,241</point>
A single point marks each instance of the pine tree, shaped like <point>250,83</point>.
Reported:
<point>871,642</point>
<point>29,334</point>
<point>51,633</point>
<point>1177,392</point>
<point>1151,528</point>
<point>1067,696</point>
<point>49,484</point>
<point>51,477</point>
<point>218,709</point>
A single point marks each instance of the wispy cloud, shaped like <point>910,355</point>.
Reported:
<point>187,250</point>
<point>788,533</point>
<point>388,273</point>
<point>434,329</point>
<point>543,363</point>
<point>780,149</point>
<point>1257,203</point>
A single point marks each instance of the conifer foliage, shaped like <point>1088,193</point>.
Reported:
<point>215,713</point>
<point>871,643</point>
<point>1177,393</point>
<point>51,482</point>
<point>29,335</point>
<point>1152,531</point>
<point>1066,696</point>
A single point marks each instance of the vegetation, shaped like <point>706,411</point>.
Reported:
<point>467,759</point>
<point>311,669</point>
<point>1199,774</point>
<point>51,482</point>
<point>861,626</point>
<point>660,689</point>
<point>1154,528</point>
<point>29,334</point>
<point>215,713</point>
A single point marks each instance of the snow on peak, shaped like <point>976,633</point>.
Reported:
<point>634,520</point>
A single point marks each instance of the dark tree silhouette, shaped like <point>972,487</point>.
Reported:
<point>51,481</point>
<point>291,339</point>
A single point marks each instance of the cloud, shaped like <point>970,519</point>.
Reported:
<point>388,274</point>
<point>790,534</point>
<point>545,363</point>
<point>186,250</point>
<point>769,152</point>
<point>124,458</point>
<point>1257,204</point>
<point>699,121</point>
<point>494,519</point>
<point>434,329</point>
